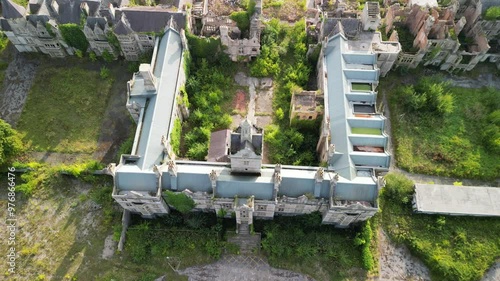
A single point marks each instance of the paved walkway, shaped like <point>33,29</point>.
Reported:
<point>19,76</point>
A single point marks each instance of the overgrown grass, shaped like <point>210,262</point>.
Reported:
<point>303,245</point>
<point>454,248</point>
<point>457,144</point>
<point>192,238</point>
<point>64,109</point>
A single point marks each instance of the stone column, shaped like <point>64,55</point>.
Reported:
<point>213,180</point>
<point>172,170</point>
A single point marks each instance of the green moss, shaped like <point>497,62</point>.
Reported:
<point>366,131</point>
<point>361,87</point>
<point>493,13</point>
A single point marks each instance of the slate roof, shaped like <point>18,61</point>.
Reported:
<point>69,11</point>
<point>93,6</point>
<point>219,144</point>
<point>11,10</point>
<point>123,27</point>
<point>4,25</point>
<point>255,145</point>
<point>350,27</point>
<point>152,19</point>
<point>91,22</point>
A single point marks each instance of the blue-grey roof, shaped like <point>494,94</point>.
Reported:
<point>159,110</point>
<point>343,67</point>
<point>152,19</point>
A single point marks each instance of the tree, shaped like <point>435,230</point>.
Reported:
<point>10,142</point>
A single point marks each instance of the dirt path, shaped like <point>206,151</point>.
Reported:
<point>241,268</point>
<point>397,263</point>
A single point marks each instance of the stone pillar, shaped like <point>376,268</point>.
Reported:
<point>213,180</point>
<point>172,170</point>
<point>318,181</point>
<point>277,180</point>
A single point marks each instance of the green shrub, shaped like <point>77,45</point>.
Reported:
<point>79,53</point>
<point>10,143</point>
<point>493,13</point>
<point>428,95</point>
<point>398,188</point>
<point>92,57</point>
<point>107,56</point>
<point>74,36</point>
<point>104,73</point>
<point>180,201</point>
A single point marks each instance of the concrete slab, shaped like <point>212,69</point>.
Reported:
<point>457,200</point>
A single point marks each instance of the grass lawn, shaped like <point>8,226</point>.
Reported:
<point>366,131</point>
<point>454,248</point>
<point>451,145</point>
<point>64,109</point>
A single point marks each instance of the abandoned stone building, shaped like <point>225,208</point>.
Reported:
<point>36,29</point>
<point>243,186</point>
<point>306,105</point>
<point>359,28</point>
<point>214,18</point>
<point>451,37</point>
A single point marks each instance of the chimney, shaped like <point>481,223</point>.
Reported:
<point>147,75</point>
<point>55,6</point>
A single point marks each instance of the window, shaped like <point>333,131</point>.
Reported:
<point>281,209</point>
<point>262,207</point>
<point>246,163</point>
<point>227,205</point>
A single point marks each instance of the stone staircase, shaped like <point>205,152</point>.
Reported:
<point>246,241</point>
